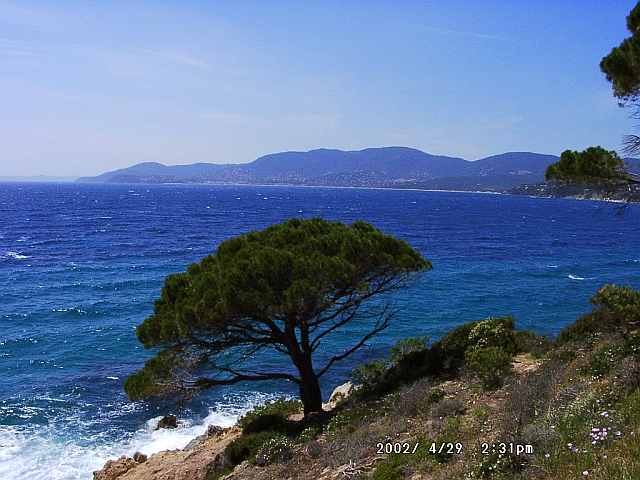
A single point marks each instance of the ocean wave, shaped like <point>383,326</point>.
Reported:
<point>44,454</point>
<point>15,256</point>
<point>576,277</point>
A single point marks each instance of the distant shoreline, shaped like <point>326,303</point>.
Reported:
<point>340,187</point>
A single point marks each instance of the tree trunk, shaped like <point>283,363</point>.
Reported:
<point>310,393</point>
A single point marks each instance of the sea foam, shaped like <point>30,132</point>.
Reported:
<point>39,453</point>
<point>15,256</point>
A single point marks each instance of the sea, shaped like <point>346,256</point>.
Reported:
<point>81,265</point>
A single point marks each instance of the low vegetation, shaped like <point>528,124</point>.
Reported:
<point>546,409</point>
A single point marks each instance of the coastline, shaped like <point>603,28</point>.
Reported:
<point>357,187</point>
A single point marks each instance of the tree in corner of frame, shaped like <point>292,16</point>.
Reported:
<point>285,289</point>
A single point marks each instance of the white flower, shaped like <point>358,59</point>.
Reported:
<point>585,473</point>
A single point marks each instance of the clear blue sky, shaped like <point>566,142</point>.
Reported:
<point>91,86</point>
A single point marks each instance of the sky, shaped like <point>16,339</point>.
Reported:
<point>90,86</point>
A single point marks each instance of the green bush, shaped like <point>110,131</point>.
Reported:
<point>491,364</point>
<point>632,344</point>
<point>407,347</point>
<point>272,416</point>
<point>309,433</point>
<point>451,348</point>
<point>450,351</point>
<point>370,376</point>
<point>270,422</point>
<point>435,395</point>
<point>493,332</point>
<point>349,420</point>
<point>603,360</point>
<point>528,342</point>
<point>623,302</point>
<point>410,360</point>
<point>274,450</point>
<point>450,434</point>
<point>615,307</point>
<point>582,328</point>
<point>246,446</point>
<point>391,468</point>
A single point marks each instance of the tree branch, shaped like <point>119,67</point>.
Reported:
<point>380,327</point>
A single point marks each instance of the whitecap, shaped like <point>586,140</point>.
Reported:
<point>576,277</point>
<point>16,256</point>
<point>113,378</point>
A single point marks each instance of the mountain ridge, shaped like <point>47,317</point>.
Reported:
<point>394,166</point>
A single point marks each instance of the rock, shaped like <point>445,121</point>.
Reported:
<point>115,468</point>
<point>196,442</point>
<point>262,460</point>
<point>219,464</point>
<point>340,393</point>
<point>168,421</point>
<point>139,457</point>
<point>215,431</point>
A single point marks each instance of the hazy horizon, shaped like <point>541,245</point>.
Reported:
<point>91,88</point>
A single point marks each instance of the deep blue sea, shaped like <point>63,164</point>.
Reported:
<point>80,267</point>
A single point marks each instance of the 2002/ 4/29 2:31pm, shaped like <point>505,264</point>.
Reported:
<point>454,448</point>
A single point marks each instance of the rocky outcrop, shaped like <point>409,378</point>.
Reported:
<point>168,421</point>
<point>139,457</point>
<point>202,460</point>
<point>114,469</point>
<point>212,432</point>
<point>340,393</point>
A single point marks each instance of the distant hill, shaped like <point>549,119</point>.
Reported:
<point>375,167</point>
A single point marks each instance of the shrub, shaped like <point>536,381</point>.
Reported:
<point>271,416</point>
<point>449,434</point>
<point>629,375</point>
<point>582,328</point>
<point>348,420</point>
<point>391,468</point>
<point>370,376</point>
<point>447,407</point>
<point>529,399</point>
<point>623,302</point>
<point>602,360</point>
<point>493,332</point>
<point>632,344</point>
<point>491,364</point>
<point>407,347</point>
<point>528,342</point>
<point>452,346</point>
<point>246,446</point>
<point>435,395</point>
<point>449,352</point>
<point>274,450</point>
<point>411,400</point>
<point>615,307</point>
<point>270,422</point>
<point>410,361</point>
<point>497,465</point>
<point>542,437</point>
